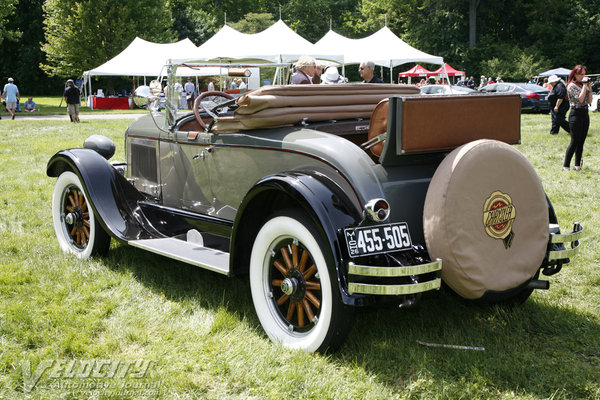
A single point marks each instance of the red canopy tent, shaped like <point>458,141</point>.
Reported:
<point>449,71</point>
<point>417,70</point>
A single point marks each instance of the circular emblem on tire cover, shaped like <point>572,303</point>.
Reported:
<point>498,216</point>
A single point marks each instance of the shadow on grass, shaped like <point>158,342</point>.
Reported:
<point>535,349</point>
<point>181,282</point>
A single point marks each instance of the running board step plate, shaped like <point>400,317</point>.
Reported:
<point>187,252</point>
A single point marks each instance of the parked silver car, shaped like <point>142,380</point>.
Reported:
<point>446,89</point>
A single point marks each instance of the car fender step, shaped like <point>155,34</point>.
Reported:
<point>188,252</point>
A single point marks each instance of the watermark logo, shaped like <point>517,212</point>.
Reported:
<point>79,375</point>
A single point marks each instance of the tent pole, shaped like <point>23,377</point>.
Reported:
<point>91,93</point>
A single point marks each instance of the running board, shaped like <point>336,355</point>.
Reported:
<point>187,252</point>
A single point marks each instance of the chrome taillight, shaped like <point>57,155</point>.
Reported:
<point>378,210</point>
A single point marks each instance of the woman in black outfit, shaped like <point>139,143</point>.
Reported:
<point>580,96</point>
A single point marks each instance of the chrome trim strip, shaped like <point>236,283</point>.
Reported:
<point>562,254</point>
<point>410,288</point>
<point>568,237</point>
<point>365,270</point>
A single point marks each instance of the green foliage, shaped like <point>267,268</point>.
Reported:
<point>7,9</point>
<point>253,23</point>
<point>517,65</point>
<point>192,20</point>
<point>22,55</point>
<point>82,35</point>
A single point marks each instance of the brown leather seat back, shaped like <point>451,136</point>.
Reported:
<point>378,125</point>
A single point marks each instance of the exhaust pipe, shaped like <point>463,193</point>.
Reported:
<point>538,284</point>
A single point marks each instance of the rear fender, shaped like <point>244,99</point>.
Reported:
<point>326,204</point>
<point>113,199</point>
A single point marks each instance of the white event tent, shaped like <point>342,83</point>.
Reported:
<point>140,58</point>
<point>278,44</point>
<point>383,47</point>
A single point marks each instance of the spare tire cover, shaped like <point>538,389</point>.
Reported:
<point>486,217</point>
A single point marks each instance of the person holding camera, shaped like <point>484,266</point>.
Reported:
<point>579,90</point>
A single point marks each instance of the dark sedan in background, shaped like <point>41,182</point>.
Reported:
<point>533,97</point>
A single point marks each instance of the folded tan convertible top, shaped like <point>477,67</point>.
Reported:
<point>272,106</point>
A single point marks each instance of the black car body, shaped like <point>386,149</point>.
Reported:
<point>534,98</point>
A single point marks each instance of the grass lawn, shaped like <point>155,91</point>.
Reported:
<point>53,106</point>
<point>186,333</point>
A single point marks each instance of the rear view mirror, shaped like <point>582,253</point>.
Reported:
<point>148,96</point>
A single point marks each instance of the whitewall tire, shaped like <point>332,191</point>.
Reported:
<point>295,296</point>
<point>77,230</point>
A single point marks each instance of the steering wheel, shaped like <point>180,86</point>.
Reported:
<point>198,105</point>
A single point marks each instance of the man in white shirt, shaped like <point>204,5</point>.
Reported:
<point>189,92</point>
<point>11,95</point>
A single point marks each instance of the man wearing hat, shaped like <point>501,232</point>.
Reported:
<point>332,76</point>
<point>72,97</point>
<point>11,96</point>
<point>558,105</point>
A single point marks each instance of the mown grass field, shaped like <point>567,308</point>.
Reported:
<point>55,105</point>
<point>203,340</point>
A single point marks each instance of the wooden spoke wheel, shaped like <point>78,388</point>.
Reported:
<point>296,299</point>
<point>295,285</point>
<point>75,225</point>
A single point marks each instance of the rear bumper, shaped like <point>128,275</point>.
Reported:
<point>420,278</point>
<point>561,239</point>
<point>561,247</point>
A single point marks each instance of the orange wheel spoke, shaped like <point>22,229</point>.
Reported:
<point>282,299</point>
<point>310,272</point>
<point>81,199</point>
<point>303,261</point>
<point>313,299</point>
<point>84,205</point>
<point>86,215</point>
<point>295,255</point>
<point>78,239</point>
<point>86,232</point>
<point>308,309</point>
<point>69,208</point>
<point>300,312</point>
<point>76,196</point>
<point>276,282</point>
<point>313,285</point>
<point>280,267</point>
<point>286,257</point>
<point>291,309</point>
<point>74,230</point>
<point>86,223</point>
<point>72,201</point>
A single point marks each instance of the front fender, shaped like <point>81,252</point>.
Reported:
<point>113,199</point>
<point>325,203</point>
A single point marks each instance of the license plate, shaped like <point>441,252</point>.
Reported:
<point>377,239</point>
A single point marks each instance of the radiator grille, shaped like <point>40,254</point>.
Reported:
<point>143,162</point>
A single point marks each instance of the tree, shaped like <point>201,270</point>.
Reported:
<point>253,22</point>
<point>84,34</point>
<point>193,19</point>
<point>24,51</point>
<point>7,9</point>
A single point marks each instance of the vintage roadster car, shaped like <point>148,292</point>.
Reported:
<point>328,196</point>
